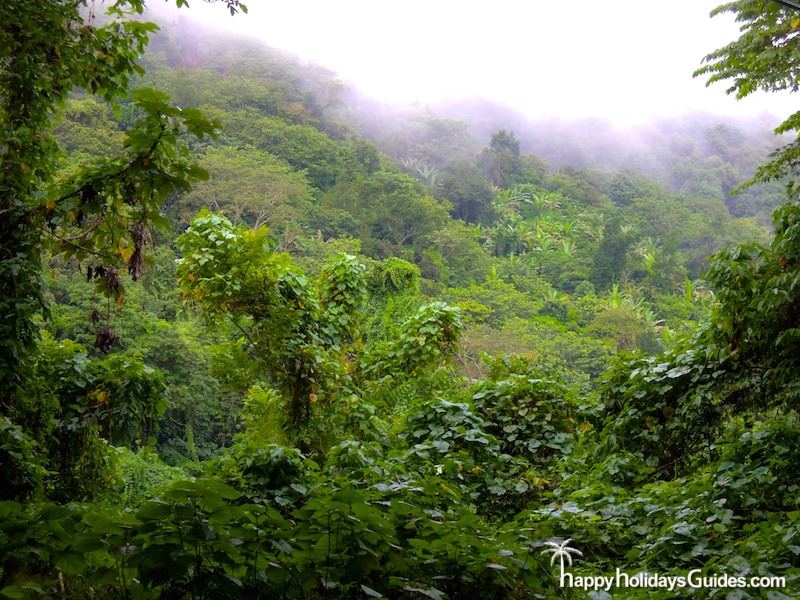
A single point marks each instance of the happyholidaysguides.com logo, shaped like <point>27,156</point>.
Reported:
<point>563,553</point>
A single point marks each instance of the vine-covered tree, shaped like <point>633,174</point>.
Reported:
<point>765,58</point>
<point>100,215</point>
<point>305,333</point>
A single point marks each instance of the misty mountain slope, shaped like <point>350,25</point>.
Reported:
<point>280,341</point>
<point>700,155</point>
<point>573,264</point>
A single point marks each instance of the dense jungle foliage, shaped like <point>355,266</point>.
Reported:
<point>253,345</point>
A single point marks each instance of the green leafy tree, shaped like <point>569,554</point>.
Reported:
<point>389,211</point>
<point>70,407</point>
<point>469,192</point>
<point>456,256</point>
<point>102,212</point>
<point>248,186</point>
<point>45,53</point>
<point>611,259</point>
<point>764,57</point>
<point>744,361</point>
<point>627,186</point>
<point>305,333</point>
<point>302,146</point>
<point>500,161</point>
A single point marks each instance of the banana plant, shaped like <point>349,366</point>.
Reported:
<point>546,200</point>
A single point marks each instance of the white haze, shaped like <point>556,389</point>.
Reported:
<point>622,60</point>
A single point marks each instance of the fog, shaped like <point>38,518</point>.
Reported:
<point>627,61</point>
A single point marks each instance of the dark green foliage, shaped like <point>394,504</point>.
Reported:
<point>611,258</point>
<point>531,416</point>
<point>22,471</point>
<point>282,475</point>
<point>758,309</point>
<point>342,295</point>
<point>339,431</point>
<point>204,539</point>
<point>455,256</point>
<point>302,146</point>
<point>626,187</point>
<point>70,408</point>
<point>102,210</point>
<point>500,161</point>
<point>744,360</point>
<point>389,212</point>
<point>452,440</point>
<point>32,86</point>
<point>663,408</point>
<point>469,192</point>
<point>762,58</point>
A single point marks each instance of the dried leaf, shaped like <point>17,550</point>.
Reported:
<point>104,339</point>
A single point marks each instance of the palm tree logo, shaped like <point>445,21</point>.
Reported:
<point>562,551</point>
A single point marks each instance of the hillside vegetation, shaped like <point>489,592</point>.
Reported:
<point>262,339</point>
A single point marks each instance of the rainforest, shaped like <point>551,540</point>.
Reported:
<point>264,337</point>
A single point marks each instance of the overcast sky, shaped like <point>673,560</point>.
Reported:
<point>625,60</point>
